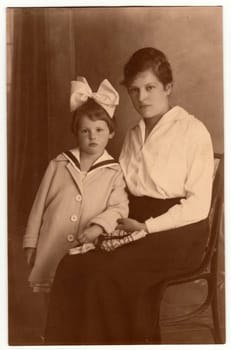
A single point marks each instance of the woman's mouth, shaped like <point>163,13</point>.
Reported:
<point>144,106</point>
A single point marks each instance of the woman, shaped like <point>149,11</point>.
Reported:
<point>167,160</point>
<point>169,153</point>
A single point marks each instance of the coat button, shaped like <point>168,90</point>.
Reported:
<point>74,218</point>
<point>70,238</point>
<point>78,198</point>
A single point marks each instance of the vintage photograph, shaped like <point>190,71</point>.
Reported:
<point>115,158</point>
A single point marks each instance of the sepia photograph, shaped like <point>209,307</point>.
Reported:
<point>115,175</point>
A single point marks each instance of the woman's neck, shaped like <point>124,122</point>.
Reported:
<point>150,123</point>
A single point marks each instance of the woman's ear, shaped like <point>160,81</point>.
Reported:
<point>168,88</point>
<point>111,135</point>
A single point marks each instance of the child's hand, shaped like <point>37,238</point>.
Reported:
<point>90,234</point>
<point>30,256</point>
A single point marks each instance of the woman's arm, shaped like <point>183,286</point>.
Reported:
<point>198,186</point>
<point>131,225</point>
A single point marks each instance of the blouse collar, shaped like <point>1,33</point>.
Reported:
<point>175,113</point>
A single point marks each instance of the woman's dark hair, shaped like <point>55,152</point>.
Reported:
<point>145,58</point>
<point>93,111</point>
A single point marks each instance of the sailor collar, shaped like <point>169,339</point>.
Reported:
<point>73,156</point>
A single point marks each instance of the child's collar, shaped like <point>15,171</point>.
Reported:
<point>106,160</point>
<point>105,156</point>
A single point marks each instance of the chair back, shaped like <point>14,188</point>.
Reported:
<point>209,260</point>
<point>216,209</point>
<point>208,268</point>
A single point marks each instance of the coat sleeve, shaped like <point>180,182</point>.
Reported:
<point>198,187</point>
<point>34,223</point>
<point>117,206</point>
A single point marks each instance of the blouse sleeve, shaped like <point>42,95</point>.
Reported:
<point>198,186</point>
<point>35,218</point>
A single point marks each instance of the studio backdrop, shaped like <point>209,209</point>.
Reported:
<point>50,47</point>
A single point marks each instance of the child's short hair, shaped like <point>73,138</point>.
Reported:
<point>93,111</point>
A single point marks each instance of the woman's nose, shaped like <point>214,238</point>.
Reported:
<point>142,95</point>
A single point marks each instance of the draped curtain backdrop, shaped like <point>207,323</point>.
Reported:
<point>38,129</point>
<point>43,65</point>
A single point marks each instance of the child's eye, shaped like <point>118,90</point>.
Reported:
<point>84,131</point>
<point>99,129</point>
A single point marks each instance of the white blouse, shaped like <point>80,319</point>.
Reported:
<point>176,160</point>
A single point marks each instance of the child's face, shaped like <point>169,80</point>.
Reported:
<point>93,136</point>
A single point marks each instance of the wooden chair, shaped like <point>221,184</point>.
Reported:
<point>208,269</point>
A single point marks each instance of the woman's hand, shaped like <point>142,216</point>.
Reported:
<point>30,256</point>
<point>90,234</point>
<point>130,225</point>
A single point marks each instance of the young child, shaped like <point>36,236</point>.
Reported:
<point>82,194</point>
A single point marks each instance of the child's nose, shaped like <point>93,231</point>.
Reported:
<point>92,135</point>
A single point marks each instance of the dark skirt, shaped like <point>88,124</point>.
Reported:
<point>114,297</point>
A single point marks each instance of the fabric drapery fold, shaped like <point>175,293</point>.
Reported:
<point>38,128</point>
<point>28,121</point>
<point>38,124</point>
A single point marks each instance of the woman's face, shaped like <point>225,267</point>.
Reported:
<point>149,96</point>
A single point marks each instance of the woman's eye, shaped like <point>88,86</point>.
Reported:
<point>150,87</point>
<point>133,90</point>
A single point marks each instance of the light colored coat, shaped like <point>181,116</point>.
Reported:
<point>67,201</point>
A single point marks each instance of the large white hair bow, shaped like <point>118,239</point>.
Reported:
<point>106,96</point>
